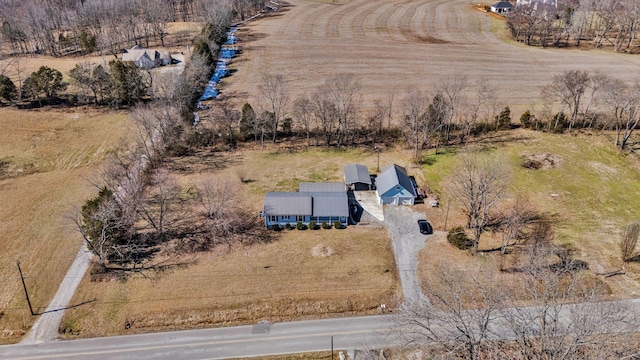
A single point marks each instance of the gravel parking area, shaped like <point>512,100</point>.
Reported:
<point>402,223</point>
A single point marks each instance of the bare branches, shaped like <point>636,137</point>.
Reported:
<point>478,184</point>
<point>276,99</point>
<point>629,241</point>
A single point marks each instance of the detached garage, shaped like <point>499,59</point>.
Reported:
<point>357,178</point>
<point>394,187</point>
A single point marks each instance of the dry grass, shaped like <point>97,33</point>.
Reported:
<point>277,281</point>
<point>281,280</point>
<point>591,193</point>
<point>47,155</point>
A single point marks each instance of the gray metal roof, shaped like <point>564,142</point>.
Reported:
<point>288,203</point>
<point>319,203</point>
<point>394,175</point>
<point>321,187</point>
<point>502,5</point>
<point>330,203</point>
<point>356,173</point>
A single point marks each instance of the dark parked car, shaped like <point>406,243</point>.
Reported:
<point>425,227</point>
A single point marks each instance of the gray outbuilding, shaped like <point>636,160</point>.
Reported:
<point>356,177</point>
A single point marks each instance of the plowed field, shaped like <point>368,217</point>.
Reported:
<point>391,45</point>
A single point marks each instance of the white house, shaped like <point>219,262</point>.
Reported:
<point>502,7</point>
<point>147,58</point>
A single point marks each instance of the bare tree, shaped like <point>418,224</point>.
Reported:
<point>478,184</point>
<point>227,118</point>
<point>569,89</point>
<point>513,222</point>
<point>342,91</point>
<point>464,304</point>
<point>276,99</point>
<point>303,113</point>
<point>629,241</point>
<point>624,105</point>
<point>162,206</point>
<point>451,89</point>
<point>415,105</point>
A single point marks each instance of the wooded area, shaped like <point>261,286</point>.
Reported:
<point>73,27</point>
<point>606,23</point>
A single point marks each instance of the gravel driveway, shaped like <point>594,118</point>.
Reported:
<point>402,223</point>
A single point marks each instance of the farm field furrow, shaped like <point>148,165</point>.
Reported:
<point>393,45</point>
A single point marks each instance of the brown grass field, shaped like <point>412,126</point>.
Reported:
<point>47,157</point>
<point>390,46</point>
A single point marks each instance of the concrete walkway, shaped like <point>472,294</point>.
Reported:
<point>368,200</point>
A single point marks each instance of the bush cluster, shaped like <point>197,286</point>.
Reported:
<point>458,238</point>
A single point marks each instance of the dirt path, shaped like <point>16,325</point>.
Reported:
<point>46,327</point>
<point>390,46</point>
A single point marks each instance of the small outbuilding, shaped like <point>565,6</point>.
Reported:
<point>393,186</point>
<point>502,7</point>
<point>356,177</point>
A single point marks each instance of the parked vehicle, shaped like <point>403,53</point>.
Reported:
<point>425,227</point>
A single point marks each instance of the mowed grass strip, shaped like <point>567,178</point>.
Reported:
<point>592,192</point>
<point>49,156</point>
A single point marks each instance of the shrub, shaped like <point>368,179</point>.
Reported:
<point>526,119</point>
<point>325,225</point>
<point>458,238</point>
<point>312,225</point>
<point>337,224</point>
<point>300,225</point>
<point>276,227</point>
<point>287,226</point>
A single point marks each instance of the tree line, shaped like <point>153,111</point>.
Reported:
<point>63,27</point>
<point>610,23</point>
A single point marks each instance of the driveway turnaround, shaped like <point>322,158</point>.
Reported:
<point>402,223</point>
<point>368,200</point>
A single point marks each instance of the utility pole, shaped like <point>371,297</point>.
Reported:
<point>25,289</point>
<point>331,347</point>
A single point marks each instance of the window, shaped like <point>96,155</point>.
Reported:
<point>299,218</point>
<point>286,217</point>
<point>273,218</point>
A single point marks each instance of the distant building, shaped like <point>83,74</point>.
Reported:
<point>317,202</point>
<point>502,7</point>
<point>394,186</point>
<point>357,178</point>
<point>147,58</point>
<point>536,3</point>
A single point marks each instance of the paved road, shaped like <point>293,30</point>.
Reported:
<point>220,343</point>
<point>46,327</point>
<point>402,223</point>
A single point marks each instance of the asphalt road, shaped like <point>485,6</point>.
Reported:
<point>221,343</point>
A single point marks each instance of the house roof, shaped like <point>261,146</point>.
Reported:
<point>288,203</point>
<point>318,203</point>
<point>502,5</point>
<point>356,173</point>
<point>321,187</point>
<point>394,175</point>
<point>330,203</point>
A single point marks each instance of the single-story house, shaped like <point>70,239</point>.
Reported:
<point>393,186</point>
<point>356,176</point>
<point>147,58</point>
<point>502,7</point>
<point>317,202</point>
